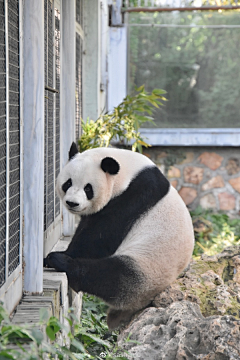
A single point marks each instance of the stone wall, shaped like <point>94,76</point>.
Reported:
<point>204,176</point>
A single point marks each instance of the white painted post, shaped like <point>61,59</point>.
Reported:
<point>67,93</point>
<point>33,140</point>
<point>117,66</point>
<point>91,59</point>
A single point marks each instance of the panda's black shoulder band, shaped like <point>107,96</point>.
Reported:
<point>103,232</point>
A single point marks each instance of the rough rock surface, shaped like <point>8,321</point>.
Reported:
<point>197,317</point>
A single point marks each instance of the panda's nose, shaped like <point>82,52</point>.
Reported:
<point>71,204</point>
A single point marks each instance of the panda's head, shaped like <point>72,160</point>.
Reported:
<point>85,184</point>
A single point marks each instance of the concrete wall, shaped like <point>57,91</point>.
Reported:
<point>206,176</point>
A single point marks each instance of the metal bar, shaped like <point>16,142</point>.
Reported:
<point>48,88</point>
<point>7,139</point>
<point>186,26</point>
<point>192,8</point>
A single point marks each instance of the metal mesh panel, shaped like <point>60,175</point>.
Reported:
<point>49,173</point>
<point>78,91</point>
<point>2,146</point>
<point>79,12</point>
<point>52,112</point>
<point>14,136</point>
<point>57,103</point>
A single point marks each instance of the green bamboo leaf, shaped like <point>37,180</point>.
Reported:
<point>159,92</point>
<point>50,333</point>
<point>6,355</point>
<point>78,345</point>
<point>141,88</point>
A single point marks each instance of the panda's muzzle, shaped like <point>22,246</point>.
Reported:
<point>72,204</point>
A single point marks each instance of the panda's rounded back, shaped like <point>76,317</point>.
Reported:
<point>161,241</point>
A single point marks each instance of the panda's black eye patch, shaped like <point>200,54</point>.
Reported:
<point>67,185</point>
<point>89,191</point>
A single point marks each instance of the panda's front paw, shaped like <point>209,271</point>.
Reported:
<point>58,261</point>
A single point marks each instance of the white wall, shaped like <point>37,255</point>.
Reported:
<point>117,63</point>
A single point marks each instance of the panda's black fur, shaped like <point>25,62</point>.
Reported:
<point>99,235</point>
<point>90,261</point>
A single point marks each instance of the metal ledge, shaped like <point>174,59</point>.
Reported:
<point>192,136</point>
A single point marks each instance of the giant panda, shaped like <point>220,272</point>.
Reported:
<point>135,234</point>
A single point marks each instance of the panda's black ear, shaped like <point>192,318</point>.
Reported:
<point>109,165</point>
<point>73,151</point>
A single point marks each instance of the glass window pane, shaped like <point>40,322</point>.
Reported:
<point>194,56</point>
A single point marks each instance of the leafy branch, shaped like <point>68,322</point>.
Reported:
<point>123,123</point>
<point>51,339</point>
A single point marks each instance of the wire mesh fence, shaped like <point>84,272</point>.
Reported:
<point>9,139</point>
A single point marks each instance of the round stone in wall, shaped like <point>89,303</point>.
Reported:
<point>193,174</point>
<point>211,160</point>
<point>208,201</point>
<point>226,201</point>
<point>233,166</point>
<point>188,194</point>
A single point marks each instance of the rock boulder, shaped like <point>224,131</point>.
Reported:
<point>197,317</point>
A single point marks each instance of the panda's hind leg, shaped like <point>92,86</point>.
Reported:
<point>118,318</point>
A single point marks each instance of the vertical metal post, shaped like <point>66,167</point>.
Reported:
<point>33,139</point>
<point>54,108</point>
<point>67,94</point>
<point>7,138</point>
<point>21,129</point>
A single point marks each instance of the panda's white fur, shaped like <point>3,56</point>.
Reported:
<point>154,250</point>
<point>161,242</point>
<point>106,186</point>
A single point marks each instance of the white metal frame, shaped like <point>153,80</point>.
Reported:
<point>11,291</point>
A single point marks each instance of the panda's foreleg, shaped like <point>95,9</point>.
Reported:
<point>116,279</point>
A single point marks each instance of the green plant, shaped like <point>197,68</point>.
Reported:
<point>123,123</point>
<point>50,339</point>
<point>34,341</point>
<point>93,331</point>
<point>214,232</point>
